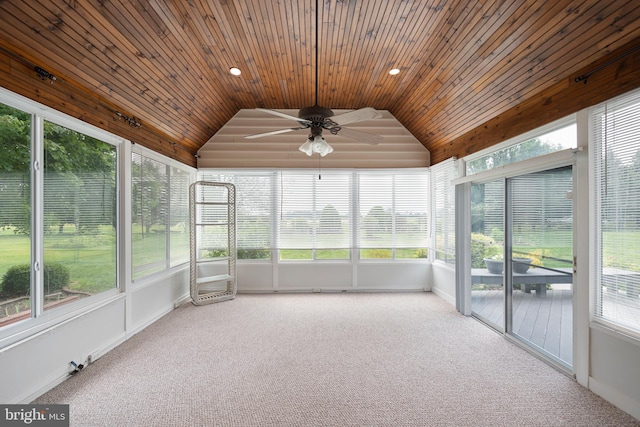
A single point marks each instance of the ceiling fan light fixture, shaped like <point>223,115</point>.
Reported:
<point>394,71</point>
<point>235,71</point>
<point>321,146</point>
<point>316,145</point>
<point>307,147</point>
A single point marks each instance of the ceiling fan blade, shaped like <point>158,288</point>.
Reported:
<point>273,132</point>
<point>366,113</point>
<point>360,136</point>
<point>284,115</point>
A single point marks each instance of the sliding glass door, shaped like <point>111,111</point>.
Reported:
<point>539,255</point>
<point>487,251</point>
<point>522,259</point>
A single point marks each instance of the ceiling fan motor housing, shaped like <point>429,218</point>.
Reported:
<point>315,112</point>
<point>317,116</point>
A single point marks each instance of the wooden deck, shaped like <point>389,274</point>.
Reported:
<point>546,322</point>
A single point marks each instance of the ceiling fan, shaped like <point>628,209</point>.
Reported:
<point>317,119</point>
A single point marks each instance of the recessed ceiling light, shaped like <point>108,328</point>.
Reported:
<point>394,71</point>
<point>235,71</point>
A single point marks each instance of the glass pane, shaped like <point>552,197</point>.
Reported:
<point>149,182</point>
<point>376,201</point>
<point>616,266</point>
<point>542,261</point>
<point>443,196</point>
<point>376,253</point>
<point>550,142</point>
<point>15,218</point>
<point>253,211</point>
<point>394,215</point>
<point>412,253</point>
<point>315,216</point>
<point>296,218</point>
<point>179,216</point>
<point>487,250</point>
<point>79,215</point>
<point>332,253</point>
<point>296,254</point>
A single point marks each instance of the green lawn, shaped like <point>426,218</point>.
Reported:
<point>14,249</point>
<point>91,259</point>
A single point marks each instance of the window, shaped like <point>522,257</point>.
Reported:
<point>443,196</point>
<point>15,218</point>
<point>315,220</point>
<point>393,221</point>
<point>160,214</point>
<point>562,136</point>
<point>383,213</point>
<point>253,210</point>
<point>179,181</point>
<point>58,220</point>
<point>615,161</point>
<point>80,214</point>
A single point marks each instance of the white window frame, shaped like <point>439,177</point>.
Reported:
<point>40,319</point>
<point>354,214</point>
<point>449,169</point>
<point>168,163</point>
<point>597,319</point>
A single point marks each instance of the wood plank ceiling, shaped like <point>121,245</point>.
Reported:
<point>462,62</point>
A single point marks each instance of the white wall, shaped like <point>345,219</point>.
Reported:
<point>615,369</point>
<point>333,276</point>
<point>228,148</point>
<point>39,361</point>
<point>443,281</point>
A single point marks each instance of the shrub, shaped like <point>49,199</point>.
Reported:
<point>241,253</point>
<point>254,253</point>
<point>482,246</point>
<point>422,253</point>
<point>56,277</point>
<point>17,280</point>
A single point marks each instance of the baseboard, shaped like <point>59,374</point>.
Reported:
<point>42,390</point>
<point>622,401</point>
<point>96,354</point>
<point>184,298</point>
<point>445,296</point>
<point>327,290</point>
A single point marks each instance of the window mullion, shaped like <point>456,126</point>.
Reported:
<point>355,216</point>
<point>37,216</point>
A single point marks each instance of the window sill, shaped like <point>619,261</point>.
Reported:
<point>33,327</point>
<point>615,330</point>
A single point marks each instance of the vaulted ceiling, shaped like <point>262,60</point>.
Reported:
<point>461,62</point>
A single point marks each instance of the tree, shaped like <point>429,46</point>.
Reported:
<point>15,146</point>
<point>330,222</point>
<point>377,221</point>
<point>515,153</point>
<point>71,160</point>
<point>149,193</point>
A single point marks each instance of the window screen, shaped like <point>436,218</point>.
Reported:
<point>443,196</point>
<point>615,161</point>
<point>254,206</point>
<point>316,215</point>
<point>394,215</point>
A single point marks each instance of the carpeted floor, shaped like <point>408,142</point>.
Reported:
<point>326,360</point>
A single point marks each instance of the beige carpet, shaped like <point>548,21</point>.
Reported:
<point>326,360</point>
